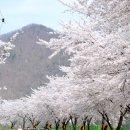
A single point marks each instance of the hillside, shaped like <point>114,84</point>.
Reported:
<point>28,63</point>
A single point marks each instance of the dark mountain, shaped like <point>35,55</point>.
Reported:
<point>28,63</point>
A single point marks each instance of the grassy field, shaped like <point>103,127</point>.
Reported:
<point>92,127</point>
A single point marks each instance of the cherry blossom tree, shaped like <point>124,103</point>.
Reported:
<point>109,15</point>
<point>99,66</point>
<point>96,84</point>
<point>14,112</point>
<point>4,51</point>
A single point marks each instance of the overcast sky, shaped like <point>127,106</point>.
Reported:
<point>18,13</point>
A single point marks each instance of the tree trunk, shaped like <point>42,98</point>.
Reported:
<point>88,125</point>
<point>122,114</point>
<point>35,124</point>
<point>74,123</point>
<point>109,124</point>
<point>74,126</point>
<point>84,124</point>
<point>106,118</point>
<point>45,127</point>
<point>57,124</point>
<point>103,121</point>
<point>119,123</point>
<point>24,121</point>
<point>88,122</point>
<point>64,124</point>
<point>13,124</point>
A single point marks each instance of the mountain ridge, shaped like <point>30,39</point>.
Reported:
<point>28,63</point>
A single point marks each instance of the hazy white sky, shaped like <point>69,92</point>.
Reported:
<point>18,13</point>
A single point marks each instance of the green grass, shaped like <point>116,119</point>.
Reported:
<point>92,127</point>
<point>69,127</point>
